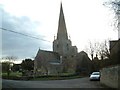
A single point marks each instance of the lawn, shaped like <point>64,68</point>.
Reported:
<point>12,76</point>
<point>18,76</point>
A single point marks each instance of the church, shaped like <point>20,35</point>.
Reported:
<point>62,58</point>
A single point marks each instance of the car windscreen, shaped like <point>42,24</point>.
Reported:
<point>96,73</point>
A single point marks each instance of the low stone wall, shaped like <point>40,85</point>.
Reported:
<point>110,76</point>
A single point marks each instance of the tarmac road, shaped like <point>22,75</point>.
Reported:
<point>71,83</point>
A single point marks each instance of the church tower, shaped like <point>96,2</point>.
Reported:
<point>62,44</point>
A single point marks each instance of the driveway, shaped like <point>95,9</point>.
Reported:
<point>71,83</point>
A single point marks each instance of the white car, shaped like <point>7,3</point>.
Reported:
<point>95,76</point>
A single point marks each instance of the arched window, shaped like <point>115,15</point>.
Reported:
<point>67,46</point>
<point>57,46</point>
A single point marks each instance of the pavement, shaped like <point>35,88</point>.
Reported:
<point>71,83</point>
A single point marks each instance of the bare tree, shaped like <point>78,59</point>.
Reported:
<point>9,60</point>
<point>100,49</point>
<point>114,5</point>
<point>92,50</point>
<point>104,50</point>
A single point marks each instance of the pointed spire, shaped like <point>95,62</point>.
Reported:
<point>62,31</point>
<point>54,36</point>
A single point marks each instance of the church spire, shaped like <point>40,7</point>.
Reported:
<point>62,31</point>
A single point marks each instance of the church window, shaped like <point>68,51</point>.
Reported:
<point>65,57</point>
<point>57,46</point>
<point>67,47</point>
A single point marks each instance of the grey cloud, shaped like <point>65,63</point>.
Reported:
<point>15,44</point>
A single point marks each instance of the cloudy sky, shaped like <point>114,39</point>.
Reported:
<point>86,20</point>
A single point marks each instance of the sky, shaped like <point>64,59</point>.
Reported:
<point>86,20</point>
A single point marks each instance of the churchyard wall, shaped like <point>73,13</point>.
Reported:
<point>110,76</point>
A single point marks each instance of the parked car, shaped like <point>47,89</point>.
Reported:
<point>95,76</point>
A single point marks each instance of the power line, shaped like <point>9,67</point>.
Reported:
<point>23,34</point>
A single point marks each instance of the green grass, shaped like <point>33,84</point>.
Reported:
<point>16,74</point>
<point>12,76</point>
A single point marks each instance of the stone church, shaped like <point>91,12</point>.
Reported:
<point>63,56</point>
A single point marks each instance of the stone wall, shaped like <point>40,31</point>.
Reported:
<point>43,60</point>
<point>110,76</point>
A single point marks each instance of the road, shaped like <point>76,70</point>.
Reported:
<point>72,83</point>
